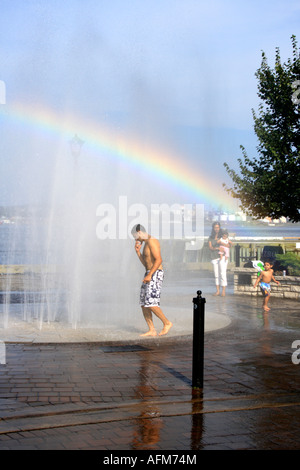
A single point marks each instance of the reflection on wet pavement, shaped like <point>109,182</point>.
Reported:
<point>87,396</point>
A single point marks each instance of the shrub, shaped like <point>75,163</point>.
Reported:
<point>291,262</point>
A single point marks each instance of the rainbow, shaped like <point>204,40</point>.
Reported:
<point>172,169</point>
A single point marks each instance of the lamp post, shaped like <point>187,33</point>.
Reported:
<point>74,238</point>
<point>75,145</point>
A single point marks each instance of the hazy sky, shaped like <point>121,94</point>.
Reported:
<point>176,71</point>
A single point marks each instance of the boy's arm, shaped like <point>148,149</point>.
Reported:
<point>273,279</point>
<point>138,246</point>
<point>257,280</point>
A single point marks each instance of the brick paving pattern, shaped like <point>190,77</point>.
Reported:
<point>115,397</point>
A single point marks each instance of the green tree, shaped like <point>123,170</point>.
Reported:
<point>269,185</point>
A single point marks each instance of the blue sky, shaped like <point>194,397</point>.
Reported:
<point>179,72</point>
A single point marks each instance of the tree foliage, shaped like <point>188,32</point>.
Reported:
<point>269,185</point>
<point>291,261</point>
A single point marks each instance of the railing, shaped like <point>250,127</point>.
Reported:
<point>183,253</point>
<point>176,252</point>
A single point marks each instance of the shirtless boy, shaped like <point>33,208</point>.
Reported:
<point>265,278</point>
<point>152,282</point>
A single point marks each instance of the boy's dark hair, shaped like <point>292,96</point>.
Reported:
<point>270,261</point>
<point>138,228</point>
<point>225,232</point>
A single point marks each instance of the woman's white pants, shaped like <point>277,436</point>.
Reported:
<point>220,271</point>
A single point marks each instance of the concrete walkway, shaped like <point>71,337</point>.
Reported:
<point>137,395</point>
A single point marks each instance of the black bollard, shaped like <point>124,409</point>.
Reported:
<point>198,341</point>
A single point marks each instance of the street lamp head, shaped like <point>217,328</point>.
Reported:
<point>75,144</point>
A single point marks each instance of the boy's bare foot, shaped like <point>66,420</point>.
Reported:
<point>217,293</point>
<point>165,329</point>
<point>150,333</point>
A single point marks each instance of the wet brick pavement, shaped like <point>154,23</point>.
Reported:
<point>139,396</point>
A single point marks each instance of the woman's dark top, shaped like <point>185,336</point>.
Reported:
<point>214,243</point>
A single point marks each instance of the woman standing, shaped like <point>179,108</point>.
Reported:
<point>219,265</point>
